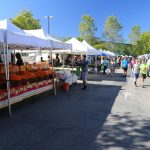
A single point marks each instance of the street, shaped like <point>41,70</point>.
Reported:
<point>111,114</point>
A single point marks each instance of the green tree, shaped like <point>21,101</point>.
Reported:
<point>87,29</point>
<point>113,34</point>
<point>25,20</point>
<point>100,46</point>
<point>143,44</point>
<point>64,39</point>
<point>112,30</point>
<point>135,34</point>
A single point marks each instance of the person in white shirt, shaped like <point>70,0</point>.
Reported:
<point>148,72</point>
<point>136,71</point>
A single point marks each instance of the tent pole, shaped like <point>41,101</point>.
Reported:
<point>7,70</point>
<point>72,65</point>
<point>95,63</point>
<point>54,85</point>
<point>63,59</point>
<point>7,76</point>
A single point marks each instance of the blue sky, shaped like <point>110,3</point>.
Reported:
<point>67,13</point>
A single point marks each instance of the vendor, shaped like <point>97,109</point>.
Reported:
<point>49,60</point>
<point>19,60</point>
<point>1,60</point>
<point>12,58</point>
<point>68,60</point>
<point>57,60</point>
<point>42,60</point>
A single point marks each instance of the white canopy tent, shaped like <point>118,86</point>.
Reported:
<point>1,43</point>
<point>15,38</point>
<point>77,46</point>
<point>147,55</point>
<point>90,49</point>
<point>93,51</point>
<point>81,48</point>
<point>111,54</point>
<point>55,43</point>
<point>1,37</point>
<point>103,52</point>
<point>144,56</point>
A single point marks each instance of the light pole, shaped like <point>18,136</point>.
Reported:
<point>48,29</point>
<point>48,22</point>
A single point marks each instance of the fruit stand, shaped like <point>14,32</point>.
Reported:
<point>25,82</point>
<point>20,83</point>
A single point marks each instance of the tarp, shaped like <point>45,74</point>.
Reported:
<point>17,38</point>
<point>1,37</point>
<point>55,43</point>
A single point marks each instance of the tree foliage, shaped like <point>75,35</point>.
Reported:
<point>100,46</point>
<point>112,30</point>
<point>25,20</point>
<point>135,34</point>
<point>87,29</point>
<point>112,34</point>
<point>64,39</point>
<point>143,44</point>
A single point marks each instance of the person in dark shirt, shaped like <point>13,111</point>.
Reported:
<point>49,60</point>
<point>42,60</point>
<point>84,73</point>
<point>19,60</point>
<point>12,58</point>
<point>1,60</point>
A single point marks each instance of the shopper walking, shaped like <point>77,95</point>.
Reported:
<point>125,66</point>
<point>148,63</point>
<point>136,71</point>
<point>143,71</point>
<point>133,61</point>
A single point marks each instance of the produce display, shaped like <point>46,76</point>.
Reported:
<point>24,79</point>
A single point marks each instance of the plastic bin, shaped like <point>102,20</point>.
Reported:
<point>66,86</point>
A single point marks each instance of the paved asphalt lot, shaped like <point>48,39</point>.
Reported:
<point>99,118</point>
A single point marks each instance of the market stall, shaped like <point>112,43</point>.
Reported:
<point>93,52</point>
<point>23,81</point>
<point>56,45</point>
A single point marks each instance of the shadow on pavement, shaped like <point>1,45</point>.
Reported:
<point>69,121</point>
<point>125,133</point>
